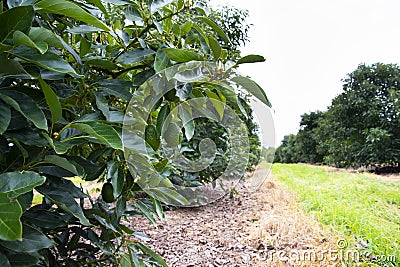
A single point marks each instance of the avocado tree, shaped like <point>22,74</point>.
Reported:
<point>68,70</point>
<point>362,126</point>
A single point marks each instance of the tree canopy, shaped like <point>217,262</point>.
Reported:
<point>361,127</point>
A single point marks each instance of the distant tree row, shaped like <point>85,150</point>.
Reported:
<point>360,128</point>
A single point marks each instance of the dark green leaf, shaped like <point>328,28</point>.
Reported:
<point>18,18</point>
<point>64,201</point>
<point>26,106</point>
<point>250,59</point>
<point>61,162</point>
<point>14,184</point>
<point>180,55</point>
<point>5,117</point>
<point>49,60</point>
<point>102,63</point>
<point>52,101</point>
<point>162,115</point>
<point>32,241</point>
<point>69,9</point>
<point>133,56</point>
<point>11,67</point>
<point>253,88</point>
<point>4,261</point>
<point>22,260</point>
<point>25,200</point>
<point>10,214</point>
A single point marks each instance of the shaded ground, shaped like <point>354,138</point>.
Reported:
<point>244,231</point>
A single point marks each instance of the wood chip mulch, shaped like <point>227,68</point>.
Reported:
<point>233,232</point>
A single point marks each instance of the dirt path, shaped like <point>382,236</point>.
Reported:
<point>244,231</point>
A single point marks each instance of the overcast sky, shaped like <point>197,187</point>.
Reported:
<point>310,45</point>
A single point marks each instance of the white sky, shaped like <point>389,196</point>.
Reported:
<point>310,45</point>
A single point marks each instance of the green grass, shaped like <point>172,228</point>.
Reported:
<point>355,206</point>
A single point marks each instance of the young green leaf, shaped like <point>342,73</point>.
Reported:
<point>52,101</point>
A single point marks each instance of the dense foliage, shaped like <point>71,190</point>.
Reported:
<point>67,72</point>
<point>360,128</point>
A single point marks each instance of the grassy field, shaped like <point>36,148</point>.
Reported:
<point>360,208</point>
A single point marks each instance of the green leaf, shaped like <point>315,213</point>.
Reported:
<point>61,162</point>
<point>162,115</point>
<point>13,184</point>
<point>17,18</point>
<point>117,177</point>
<point>22,260</point>
<point>32,241</point>
<point>11,67</point>
<point>215,47</point>
<point>63,200</point>
<point>146,211</point>
<point>166,195</point>
<point>162,61</point>
<point>102,63</point>
<point>253,88</point>
<point>26,106</point>
<point>38,34</point>
<point>20,38</point>
<point>215,27</point>
<point>52,101</point>
<point>5,117</point>
<point>69,9</point>
<point>10,214</point>
<point>152,137</point>
<point>134,56</point>
<point>180,55</point>
<point>154,255</point>
<point>48,60</point>
<point>4,261</point>
<point>101,131</point>
<point>158,207</point>
<point>250,59</point>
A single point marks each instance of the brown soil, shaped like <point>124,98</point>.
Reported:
<point>238,232</point>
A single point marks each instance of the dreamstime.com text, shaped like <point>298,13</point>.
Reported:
<point>333,255</point>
